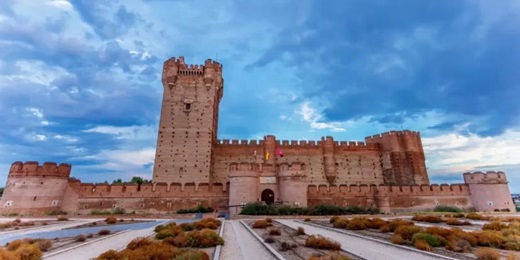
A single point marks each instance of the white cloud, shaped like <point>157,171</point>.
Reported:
<point>126,132</point>
<point>310,115</point>
<point>35,111</point>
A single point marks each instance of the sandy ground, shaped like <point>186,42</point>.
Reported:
<point>241,244</point>
<point>363,247</point>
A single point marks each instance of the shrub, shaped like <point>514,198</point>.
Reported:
<point>443,232</point>
<point>158,228</point>
<point>395,223</point>
<point>90,235</point>
<point>108,255</point>
<point>62,218</point>
<point>408,231</point>
<point>155,250</point>
<point>56,212</point>
<point>15,244</point>
<point>17,221</point>
<point>284,246</point>
<point>28,252</point>
<point>320,242</point>
<point>397,239</point>
<point>269,220</point>
<point>468,236</point>
<point>422,245</point>
<point>443,208</point>
<point>7,255</point>
<point>139,242</point>
<point>203,238</point>
<point>487,254</point>
<point>275,232</point>
<point>198,209</point>
<point>459,215</point>
<point>459,245</point>
<point>490,238</point>
<point>357,224</point>
<point>111,220</point>
<point>300,231</point>
<point>431,240</point>
<point>118,211</point>
<point>43,244</point>
<point>210,223</point>
<point>427,218</point>
<point>333,219</point>
<point>474,216</point>
<point>340,223</point>
<point>80,238</point>
<point>376,223</point>
<point>495,225</point>
<point>104,232</point>
<point>187,226</point>
<point>261,224</point>
<point>307,219</point>
<point>329,256</point>
<point>192,255</point>
<point>448,215</point>
<point>169,231</point>
<point>269,240</point>
<point>178,241</point>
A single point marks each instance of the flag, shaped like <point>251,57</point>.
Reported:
<point>279,152</point>
<point>267,155</point>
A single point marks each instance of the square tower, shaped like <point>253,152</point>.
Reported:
<point>188,122</point>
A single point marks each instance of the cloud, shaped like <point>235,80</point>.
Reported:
<point>310,115</point>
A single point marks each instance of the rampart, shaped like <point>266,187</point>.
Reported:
<point>33,169</point>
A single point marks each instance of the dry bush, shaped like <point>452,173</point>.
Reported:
<point>384,228</point>
<point>512,256</point>
<point>104,232</point>
<point>456,222</point>
<point>187,226</point>
<point>495,225</point>
<point>275,232</point>
<point>169,231</point>
<point>428,238</point>
<point>487,254</point>
<point>333,219</point>
<point>407,232</point>
<point>80,238</point>
<point>261,224</point>
<point>443,232</point>
<point>512,242</point>
<point>111,220</point>
<point>490,238</point>
<point>7,255</point>
<point>15,244</point>
<point>376,223</point>
<point>422,245</point>
<point>269,220</point>
<point>269,240</point>
<point>468,236</point>
<point>284,246</point>
<point>158,228</point>
<point>300,231</point>
<point>203,238</point>
<point>330,256</point>
<point>397,239</point>
<point>193,255</point>
<point>340,223</point>
<point>177,241</point>
<point>121,220</point>
<point>90,235</point>
<point>474,216</point>
<point>459,215</point>
<point>139,242</point>
<point>28,252</point>
<point>17,221</point>
<point>155,250</point>
<point>43,244</point>
<point>459,245</point>
<point>26,224</point>
<point>448,215</point>
<point>320,242</point>
<point>307,219</point>
<point>62,218</point>
<point>427,218</point>
<point>395,223</point>
<point>210,223</point>
<point>108,255</point>
<point>7,225</point>
<point>357,224</point>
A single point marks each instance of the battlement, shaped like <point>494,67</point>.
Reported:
<point>174,67</point>
<point>377,137</point>
<point>490,177</point>
<point>32,168</point>
<point>385,190</point>
<point>241,142</point>
<point>244,167</point>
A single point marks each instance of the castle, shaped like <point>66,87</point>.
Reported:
<point>192,167</point>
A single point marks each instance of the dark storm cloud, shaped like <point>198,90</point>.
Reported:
<point>388,57</point>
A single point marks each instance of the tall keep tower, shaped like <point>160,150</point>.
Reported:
<point>188,122</point>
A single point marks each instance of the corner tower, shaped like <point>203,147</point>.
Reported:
<point>188,122</point>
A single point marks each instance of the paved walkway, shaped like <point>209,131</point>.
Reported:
<point>241,244</point>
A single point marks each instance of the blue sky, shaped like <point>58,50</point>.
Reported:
<point>80,80</point>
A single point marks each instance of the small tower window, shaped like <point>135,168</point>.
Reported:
<point>187,106</point>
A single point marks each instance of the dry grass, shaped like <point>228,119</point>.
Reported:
<point>210,223</point>
<point>62,218</point>
<point>111,220</point>
<point>22,249</point>
<point>104,232</point>
<point>397,239</point>
<point>307,219</point>
<point>144,248</point>
<point>330,256</point>
<point>495,225</point>
<point>395,223</point>
<point>300,231</point>
<point>340,223</point>
<point>422,245</point>
<point>357,224</point>
<point>376,223</point>
<point>203,238</point>
<point>275,232</point>
<point>80,238</point>
<point>427,218</point>
<point>261,224</point>
<point>407,231</point>
<point>487,254</point>
<point>320,242</point>
<point>456,222</point>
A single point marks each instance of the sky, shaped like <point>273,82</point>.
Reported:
<point>80,80</point>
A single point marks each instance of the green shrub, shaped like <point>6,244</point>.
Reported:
<point>407,231</point>
<point>203,238</point>
<point>56,212</point>
<point>431,240</point>
<point>443,208</point>
<point>198,209</point>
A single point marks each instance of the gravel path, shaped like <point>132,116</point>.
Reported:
<point>363,247</point>
<point>241,244</point>
<point>94,249</point>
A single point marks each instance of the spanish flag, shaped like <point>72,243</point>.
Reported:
<point>267,155</point>
<point>279,152</point>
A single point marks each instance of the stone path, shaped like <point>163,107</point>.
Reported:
<point>364,247</point>
<point>241,244</point>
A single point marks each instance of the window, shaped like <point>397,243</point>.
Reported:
<point>187,106</point>
<point>8,203</point>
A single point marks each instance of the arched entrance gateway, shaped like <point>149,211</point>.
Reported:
<point>268,196</point>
